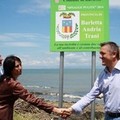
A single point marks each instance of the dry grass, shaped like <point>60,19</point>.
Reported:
<point>25,111</point>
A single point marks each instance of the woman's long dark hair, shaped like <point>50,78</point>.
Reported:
<point>9,65</point>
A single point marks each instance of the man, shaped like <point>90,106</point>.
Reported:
<point>1,72</point>
<point>107,83</point>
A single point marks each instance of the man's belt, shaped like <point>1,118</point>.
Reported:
<point>114,115</point>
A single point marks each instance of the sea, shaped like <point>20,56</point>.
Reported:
<point>45,83</point>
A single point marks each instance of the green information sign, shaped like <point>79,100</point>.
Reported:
<point>78,25</point>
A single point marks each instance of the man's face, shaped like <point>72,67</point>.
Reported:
<point>1,60</point>
<point>106,55</point>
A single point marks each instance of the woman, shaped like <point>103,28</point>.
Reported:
<point>11,90</point>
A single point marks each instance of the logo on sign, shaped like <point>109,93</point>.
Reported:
<point>67,26</point>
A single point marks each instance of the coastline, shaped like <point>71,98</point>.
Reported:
<point>27,111</point>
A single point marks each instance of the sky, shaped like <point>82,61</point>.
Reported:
<point>25,32</point>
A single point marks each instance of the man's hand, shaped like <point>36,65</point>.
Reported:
<point>63,112</point>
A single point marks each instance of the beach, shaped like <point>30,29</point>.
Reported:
<point>25,111</point>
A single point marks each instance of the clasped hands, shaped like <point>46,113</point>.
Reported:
<point>63,112</point>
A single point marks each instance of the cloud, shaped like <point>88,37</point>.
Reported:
<point>46,60</point>
<point>70,57</point>
<point>52,60</point>
<point>20,44</point>
<point>22,39</point>
<point>35,7</point>
<point>40,58</point>
<point>115,4</point>
<point>13,36</point>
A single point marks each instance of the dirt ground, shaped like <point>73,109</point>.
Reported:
<point>23,108</point>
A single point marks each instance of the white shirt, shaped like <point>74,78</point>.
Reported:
<point>1,71</point>
<point>108,84</point>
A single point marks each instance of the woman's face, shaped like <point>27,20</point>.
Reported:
<point>17,69</point>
